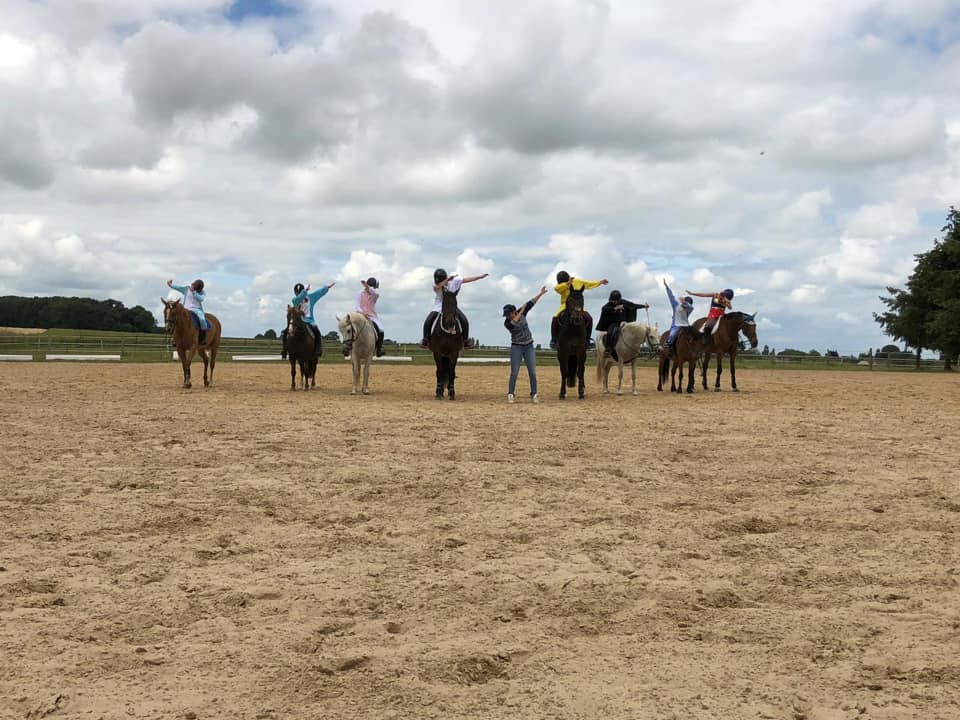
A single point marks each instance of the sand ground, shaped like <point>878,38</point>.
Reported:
<point>789,552</point>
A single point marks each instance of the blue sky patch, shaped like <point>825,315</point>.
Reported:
<point>243,9</point>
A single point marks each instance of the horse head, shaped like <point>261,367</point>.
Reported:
<point>294,318</point>
<point>448,312</point>
<point>169,314</point>
<point>574,307</point>
<point>653,337</point>
<point>348,330</point>
<point>750,328</point>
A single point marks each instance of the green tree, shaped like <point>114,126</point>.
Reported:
<point>926,313</point>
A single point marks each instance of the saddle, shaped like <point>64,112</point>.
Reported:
<point>436,323</point>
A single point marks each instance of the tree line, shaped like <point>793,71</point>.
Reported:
<point>926,313</point>
<point>74,313</point>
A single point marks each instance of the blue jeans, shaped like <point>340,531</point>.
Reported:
<point>528,355</point>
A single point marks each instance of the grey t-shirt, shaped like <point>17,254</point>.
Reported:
<point>519,331</point>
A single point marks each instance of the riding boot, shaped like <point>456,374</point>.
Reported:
<point>379,342</point>
<point>427,327</point>
<point>554,331</point>
<point>317,345</point>
<point>283,348</point>
<point>590,343</point>
<point>202,337</point>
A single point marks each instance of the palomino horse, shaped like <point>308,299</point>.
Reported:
<point>359,343</point>
<point>726,340</point>
<point>446,342</point>
<point>628,345</point>
<point>572,344</point>
<point>186,339</point>
<point>300,350</point>
<point>686,350</point>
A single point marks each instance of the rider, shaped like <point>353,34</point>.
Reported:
<point>618,310</point>
<point>566,283</point>
<point>367,306</point>
<point>452,283</point>
<point>305,300</point>
<point>681,315</point>
<point>193,298</point>
<point>521,345</point>
<point>719,304</point>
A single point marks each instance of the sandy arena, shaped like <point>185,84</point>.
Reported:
<point>788,552</point>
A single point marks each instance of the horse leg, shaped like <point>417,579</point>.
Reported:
<point>716,387</point>
<point>451,378</point>
<point>660,375</point>
<point>733,374</point>
<point>293,373</point>
<point>581,383</point>
<point>355,366</point>
<point>206,363</point>
<point>563,377</point>
<point>438,361</point>
<point>213,359</point>
<point>366,375</point>
<point>186,358</point>
<point>674,385</point>
<point>706,364</point>
<point>620,376</point>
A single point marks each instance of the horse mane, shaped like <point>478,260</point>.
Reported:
<point>736,315</point>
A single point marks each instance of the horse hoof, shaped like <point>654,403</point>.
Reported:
<point>735,390</point>
<point>353,392</point>
<point>689,392</point>
<point>716,389</point>
<point>635,393</point>
<point>366,392</point>
<point>619,392</point>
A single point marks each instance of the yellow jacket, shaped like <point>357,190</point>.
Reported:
<point>564,290</point>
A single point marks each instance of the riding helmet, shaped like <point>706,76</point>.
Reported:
<point>439,275</point>
<point>615,296</point>
<point>563,276</point>
<point>198,285</point>
<point>728,294</point>
<point>688,301</point>
<point>298,288</point>
<point>509,310</point>
<point>372,282</point>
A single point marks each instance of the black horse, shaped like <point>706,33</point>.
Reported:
<point>446,342</point>
<point>572,344</point>
<point>301,350</point>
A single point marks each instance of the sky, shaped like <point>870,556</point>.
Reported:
<point>799,153</point>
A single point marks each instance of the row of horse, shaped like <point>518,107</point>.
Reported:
<point>446,343</point>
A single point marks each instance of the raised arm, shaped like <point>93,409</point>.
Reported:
<point>182,289</point>
<point>670,296</point>
<point>591,284</point>
<point>475,278</point>
<point>528,306</point>
<point>699,294</point>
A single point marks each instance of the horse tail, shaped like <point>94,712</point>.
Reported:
<point>572,371</point>
<point>664,367</point>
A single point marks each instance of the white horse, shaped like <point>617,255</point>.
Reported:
<point>632,337</point>
<point>360,342</point>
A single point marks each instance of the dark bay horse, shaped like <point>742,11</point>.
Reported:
<point>186,339</point>
<point>726,341</point>
<point>300,350</point>
<point>687,349</point>
<point>446,342</point>
<point>572,344</point>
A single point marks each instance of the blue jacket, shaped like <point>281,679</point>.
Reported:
<point>310,298</point>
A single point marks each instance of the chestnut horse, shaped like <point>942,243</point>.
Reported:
<point>186,339</point>
<point>572,344</point>
<point>686,351</point>
<point>446,342</point>
<point>726,340</point>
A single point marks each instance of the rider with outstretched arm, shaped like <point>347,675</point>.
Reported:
<point>720,302</point>
<point>451,283</point>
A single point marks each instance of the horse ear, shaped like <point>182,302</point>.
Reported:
<point>164,301</point>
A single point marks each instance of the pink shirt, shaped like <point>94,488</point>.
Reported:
<point>367,303</point>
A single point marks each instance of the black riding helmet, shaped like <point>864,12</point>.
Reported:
<point>198,285</point>
<point>563,276</point>
<point>615,296</point>
<point>298,288</point>
<point>372,282</point>
<point>509,310</point>
<point>439,275</point>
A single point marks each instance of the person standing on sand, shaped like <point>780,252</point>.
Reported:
<point>521,345</point>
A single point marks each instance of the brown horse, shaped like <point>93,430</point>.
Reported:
<point>686,350</point>
<point>726,340</point>
<point>186,339</point>
<point>301,350</point>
